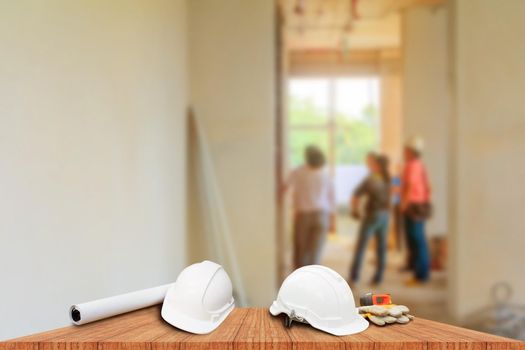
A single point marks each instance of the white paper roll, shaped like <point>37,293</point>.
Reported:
<point>116,305</point>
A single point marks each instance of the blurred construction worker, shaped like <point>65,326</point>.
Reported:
<point>313,202</point>
<point>374,223</point>
<point>416,208</point>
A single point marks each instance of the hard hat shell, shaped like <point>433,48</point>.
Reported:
<point>321,297</point>
<point>415,143</point>
<point>200,299</point>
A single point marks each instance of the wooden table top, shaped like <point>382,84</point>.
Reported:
<point>253,328</point>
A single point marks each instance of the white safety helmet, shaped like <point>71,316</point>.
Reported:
<point>415,143</point>
<point>200,299</point>
<point>319,296</point>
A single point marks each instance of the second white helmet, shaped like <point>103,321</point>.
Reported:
<point>319,296</point>
<point>200,299</point>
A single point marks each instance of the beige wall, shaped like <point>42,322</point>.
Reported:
<point>232,92</point>
<point>390,73</point>
<point>488,166</point>
<point>92,129</point>
<point>426,97</point>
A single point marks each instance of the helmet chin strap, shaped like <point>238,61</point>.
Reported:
<point>288,321</point>
<point>293,317</point>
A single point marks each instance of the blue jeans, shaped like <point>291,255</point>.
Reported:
<point>417,243</point>
<point>376,226</point>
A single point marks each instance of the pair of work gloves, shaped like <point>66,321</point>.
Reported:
<point>386,314</point>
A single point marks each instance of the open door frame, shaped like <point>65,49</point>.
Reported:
<point>280,102</point>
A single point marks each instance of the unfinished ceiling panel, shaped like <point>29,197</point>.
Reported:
<point>341,24</point>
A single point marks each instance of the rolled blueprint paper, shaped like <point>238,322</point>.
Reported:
<point>103,308</point>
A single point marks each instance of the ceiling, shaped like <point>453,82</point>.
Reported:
<point>344,24</point>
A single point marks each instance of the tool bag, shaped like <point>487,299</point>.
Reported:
<point>419,211</point>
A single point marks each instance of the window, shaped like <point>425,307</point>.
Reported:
<point>341,116</point>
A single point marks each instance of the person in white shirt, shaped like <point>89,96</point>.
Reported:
<point>313,202</point>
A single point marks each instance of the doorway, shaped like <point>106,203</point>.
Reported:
<point>340,115</point>
<point>340,87</point>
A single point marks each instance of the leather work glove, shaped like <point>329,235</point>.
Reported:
<point>386,314</point>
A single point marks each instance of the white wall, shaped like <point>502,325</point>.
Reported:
<point>232,92</point>
<point>488,167</point>
<point>426,98</point>
<point>92,153</point>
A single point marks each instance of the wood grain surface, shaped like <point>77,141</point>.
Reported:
<point>254,328</point>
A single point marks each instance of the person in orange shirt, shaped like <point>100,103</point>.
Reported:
<point>416,208</point>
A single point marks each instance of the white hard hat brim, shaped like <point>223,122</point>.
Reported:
<point>356,326</point>
<point>359,324</point>
<point>275,309</point>
<point>179,320</point>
